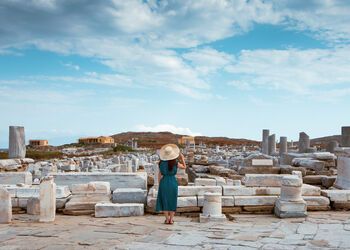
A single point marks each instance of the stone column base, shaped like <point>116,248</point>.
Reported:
<point>290,209</point>
<point>216,218</point>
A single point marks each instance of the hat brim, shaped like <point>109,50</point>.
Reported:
<point>173,155</point>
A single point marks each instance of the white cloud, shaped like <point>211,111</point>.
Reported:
<point>302,72</point>
<point>166,128</point>
<point>71,66</point>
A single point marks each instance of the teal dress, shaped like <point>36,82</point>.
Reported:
<point>167,192</point>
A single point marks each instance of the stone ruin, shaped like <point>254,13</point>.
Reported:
<point>218,182</point>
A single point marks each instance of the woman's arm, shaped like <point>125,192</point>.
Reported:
<point>182,163</point>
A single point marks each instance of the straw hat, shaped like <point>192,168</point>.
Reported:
<point>169,152</point>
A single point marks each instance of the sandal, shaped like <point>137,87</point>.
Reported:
<point>171,222</point>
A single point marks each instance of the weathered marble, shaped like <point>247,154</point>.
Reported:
<point>255,200</point>
<point>283,146</point>
<point>47,200</point>
<point>343,168</point>
<point>263,180</point>
<point>129,195</point>
<point>5,206</point>
<point>265,141</point>
<point>272,144</point>
<point>116,180</point>
<point>15,178</point>
<point>118,210</point>
<point>304,142</point>
<point>96,187</point>
<point>17,144</point>
<point>33,206</point>
<point>204,182</point>
<point>212,210</point>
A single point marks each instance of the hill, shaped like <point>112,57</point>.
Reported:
<point>157,139</point>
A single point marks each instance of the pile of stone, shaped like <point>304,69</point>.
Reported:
<point>15,165</point>
<point>86,196</point>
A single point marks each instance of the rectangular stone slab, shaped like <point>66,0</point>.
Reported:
<point>255,200</point>
<point>129,195</point>
<point>116,180</point>
<point>245,191</point>
<point>262,162</point>
<point>263,180</point>
<point>15,178</point>
<point>96,187</point>
<point>118,210</point>
<point>190,201</point>
<point>337,195</point>
<point>316,200</point>
<point>198,190</point>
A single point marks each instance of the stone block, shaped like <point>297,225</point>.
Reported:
<point>116,180</point>
<point>47,200</point>
<point>129,195</point>
<point>328,181</point>
<point>189,201</point>
<point>118,210</point>
<point>287,169</point>
<point>263,180</point>
<point>5,206</point>
<point>204,182</point>
<point>308,163</point>
<point>313,201</point>
<point>252,191</point>
<point>86,201</point>
<point>337,195</point>
<point>95,187</point>
<point>255,200</point>
<point>15,178</point>
<point>198,190</point>
<point>231,210</point>
<point>308,190</point>
<point>33,206</point>
<point>259,170</point>
<point>286,209</point>
<point>262,162</point>
<point>313,179</point>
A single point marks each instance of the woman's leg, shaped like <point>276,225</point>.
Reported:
<point>171,219</point>
<point>167,216</point>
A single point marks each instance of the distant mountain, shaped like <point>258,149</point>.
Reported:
<point>157,139</point>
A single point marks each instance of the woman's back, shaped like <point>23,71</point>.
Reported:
<point>164,168</point>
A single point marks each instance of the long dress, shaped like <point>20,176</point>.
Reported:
<point>167,191</point>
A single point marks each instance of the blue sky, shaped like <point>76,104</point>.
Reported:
<point>216,68</point>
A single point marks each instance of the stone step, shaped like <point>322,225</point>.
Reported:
<point>337,195</point>
<point>118,210</point>
<point>254,200</point>
<point>226,201</point>
<point>263,180</point>
<point>198,190</point>
<point>129,195</point>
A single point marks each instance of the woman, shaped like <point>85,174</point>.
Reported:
<point>170,160</point>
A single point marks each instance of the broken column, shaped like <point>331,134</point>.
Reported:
<point>343,168</point>
<point>304,142</point>
<point>283,145</point>
<point>272,144</point>
<point>345,136</point>
<point>290,204</point>
<point>17,145</point>
<point>47,200</point>
<point>5,206</point>
<point>265,141</point>
<point>212,210</point>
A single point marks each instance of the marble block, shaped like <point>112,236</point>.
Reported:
<point>15,178</point>
<point>47,200</point>
<point>33,206</point>
<point>255,200</point>
<point>189,201</point>
<point>287,209</point>
<point>263,180</point>
<point>5,206</point>
<point>118,210</point>
<point>129,195</point>
<point>96,187</point>
<point>204,182</point>
<point>226,201</point>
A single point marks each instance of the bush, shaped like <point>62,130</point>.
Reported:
<point>122,148</point>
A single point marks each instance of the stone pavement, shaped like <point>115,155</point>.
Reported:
<point>320,230</point>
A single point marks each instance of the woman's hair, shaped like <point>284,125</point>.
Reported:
<point>171,164</point>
